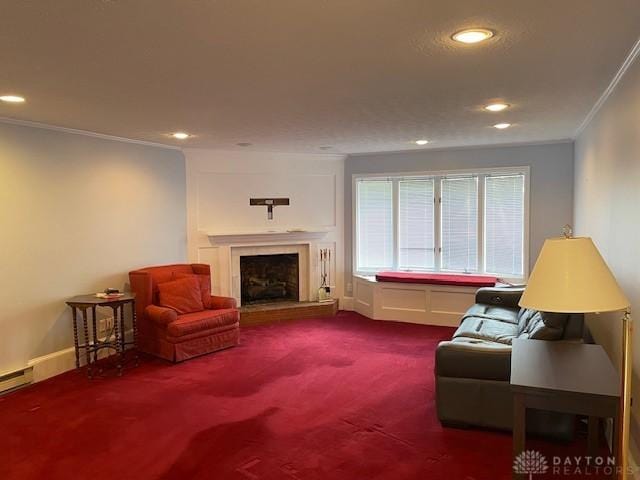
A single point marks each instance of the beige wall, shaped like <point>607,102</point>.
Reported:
<point>76,214</point>
<point>607,206</point>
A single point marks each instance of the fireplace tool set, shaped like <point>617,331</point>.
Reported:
<point>324,292</point>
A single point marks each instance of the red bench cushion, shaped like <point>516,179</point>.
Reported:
<point>437,279</point>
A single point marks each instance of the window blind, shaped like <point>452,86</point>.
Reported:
<point>416,235</point>
<point>375,224</point>
<point>504,224</point>
<point>459,223</point>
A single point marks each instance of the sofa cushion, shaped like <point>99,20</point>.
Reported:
<point>487,329</point>
<point>541,325</point>
<point>502,314</point>
<point>205,286</point>
<point>182,295</point>
<point>191,323</point>
<point>472,358</point>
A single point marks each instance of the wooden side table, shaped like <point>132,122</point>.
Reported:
<point>90,344</point>
<point>564,377</point>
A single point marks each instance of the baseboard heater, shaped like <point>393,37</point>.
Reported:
<point>15,379</point>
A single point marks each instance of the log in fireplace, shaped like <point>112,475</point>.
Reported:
<point>269,278</point>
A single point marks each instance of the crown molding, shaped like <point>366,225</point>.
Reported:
<point>86,133</point>
<point>635,51</point>
<point>480,146</point>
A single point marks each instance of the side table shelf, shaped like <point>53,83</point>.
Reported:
<point>90,344</point>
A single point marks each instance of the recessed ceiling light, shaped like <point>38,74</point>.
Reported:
<point>12,99</point>
<point>244,144</point>
<point>325,147</point>
<point>501,126</point>
<point>180,135</point>
<point>497,107</point>
<point>422,142</point>
<point>473,35</point>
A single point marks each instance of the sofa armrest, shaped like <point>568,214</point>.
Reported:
<point>473,359</point>
<point>218,303</point>
<point>500,296</point>
<point>160,315</point>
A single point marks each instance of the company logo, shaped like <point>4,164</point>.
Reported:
<point>530,462</point>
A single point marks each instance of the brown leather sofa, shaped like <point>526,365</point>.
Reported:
<point>473,369</point>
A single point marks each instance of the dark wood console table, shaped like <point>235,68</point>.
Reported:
<point>565,377</point>
<point>90,344</point>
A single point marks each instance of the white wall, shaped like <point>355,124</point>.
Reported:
<point>76,214</point>
<point>220,183</point>
<point>607,197</point>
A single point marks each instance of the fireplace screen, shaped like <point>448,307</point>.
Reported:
<point>269,278</point>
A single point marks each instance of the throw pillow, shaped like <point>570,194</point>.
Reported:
<point>182,295</point>
<point>205,286</point>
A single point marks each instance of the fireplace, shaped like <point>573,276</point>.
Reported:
<point>269,278</point>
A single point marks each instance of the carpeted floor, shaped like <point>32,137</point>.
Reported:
<point>340,398</point>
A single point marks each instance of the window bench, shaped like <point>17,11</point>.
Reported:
<point>408,299</point>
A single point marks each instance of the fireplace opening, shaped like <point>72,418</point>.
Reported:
<point>269,278</point>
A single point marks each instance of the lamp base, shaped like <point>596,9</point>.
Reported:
<point>624,415</point>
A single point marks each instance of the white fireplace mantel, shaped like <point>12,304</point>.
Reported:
<point>265,236</point>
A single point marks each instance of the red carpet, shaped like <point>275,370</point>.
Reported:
<point>342,398</point>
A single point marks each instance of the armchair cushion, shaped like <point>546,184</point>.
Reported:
<point>191,323</point>
<point>205,286</point>
<point>182,295</point>
<point>161,315</point>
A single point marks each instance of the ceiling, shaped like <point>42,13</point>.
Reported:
<point>296,75</point>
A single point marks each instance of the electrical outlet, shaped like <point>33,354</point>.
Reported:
<point>108,324</point>
<point>105,325</point>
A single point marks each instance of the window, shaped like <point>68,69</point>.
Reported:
<point>472,222</point>
<point>416,238</point>
<point>375,224</point>
<point>504,224</point>
<point>459,200</point>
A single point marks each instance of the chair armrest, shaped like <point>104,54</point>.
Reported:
<point>160,315</point>
<point>474,359</point>
<point>500,296</point>
<point>218,303</point>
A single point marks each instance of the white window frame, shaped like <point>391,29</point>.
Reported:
<point>438,175</point>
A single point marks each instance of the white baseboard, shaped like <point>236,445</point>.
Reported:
<point>55,363</point>
<point>346,303</point>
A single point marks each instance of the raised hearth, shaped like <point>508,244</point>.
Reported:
<point>274,312</point>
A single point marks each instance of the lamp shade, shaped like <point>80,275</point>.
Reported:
<point>570,276</point>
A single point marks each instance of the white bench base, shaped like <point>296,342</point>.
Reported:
<point>412,302</point>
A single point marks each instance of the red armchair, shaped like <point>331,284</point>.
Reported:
<point>176,337</point>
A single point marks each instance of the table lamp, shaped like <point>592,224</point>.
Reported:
<point>570,276</point>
